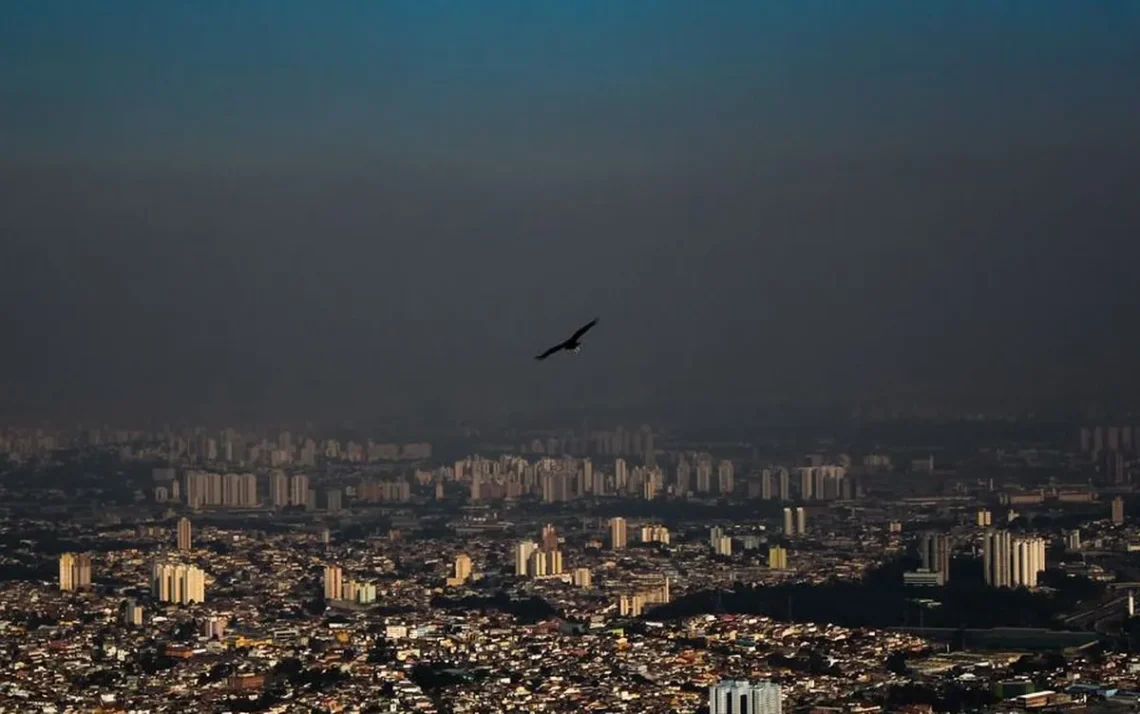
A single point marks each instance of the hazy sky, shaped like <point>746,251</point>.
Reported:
<point>301,207</point>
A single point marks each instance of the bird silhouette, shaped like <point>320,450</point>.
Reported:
<point>571,345</point>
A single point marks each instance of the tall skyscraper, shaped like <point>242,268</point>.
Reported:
<point>723,545</point>
<point>537,565</point>
<point>279,489</point>
<point>1028,561</point>
<point>704,476</point>
<point>299,490</point>
<point>247,491</point>
<point>74,571</point>
<point>789,522</point>
<point>785,485</point>
<point>131,613</point>
<point>801,520</point>
<point>655,534</point>
<point>621,475</point>
<point>1118,511</point>
<point>742,697</point>
<point>549,537</point>
<point>934,550</point>
<point>178,583</point>
<point>714,536</point>
<point>184,534</point>
<point>462,570</point>
<point>1012,562</point>
<point>617,533</point>
<point>807,482</point>
<point>725,478</point>
<point>523,551</point>
<point>684,479</point>
<point>333,582</point>
<point>333,500</point>
<point>767,485</point>
<point>581,578</point>
<point>777,558</point>
<point>997,548</point>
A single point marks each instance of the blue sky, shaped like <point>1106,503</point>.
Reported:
<point>286,202</point>
<point>537,84</point>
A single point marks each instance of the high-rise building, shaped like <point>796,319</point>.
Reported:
<point>934,551</point>
<point>714,536</point>
<point>1028,561</point>
<point>704,476</point>
<point>1012,562</point>
<point>523,551</point>
<point>74,571</point>
<point>684,480</point>
<point>655,534</point>
<point>214,628</point>
<point>777,558</point>
<point>617,533</point>
<point>742,697</point>
<point>247,491</point>
<point>333,582</point>
<point>785,484</point>
<point>789,522</point>
<point>996,557</point>
<point>807,482</point>
<point>536,566</point>
<point>724,478</point>
<point>581,578</point>
<point>184,534</point>
<point>649,489</point>
<point>231,490</point>
<point>767,485</point>
<point>621,475</point>
<point>462,570</point>
<point>299,490</point>
<point>1118,511</point>
<point>333,500</point>
<point>801,520</point>
<point>279,489</point>
<point>549,538</point>
<point>554,562</point>
<point>131,613</point>
<point>723,545</point>
<point>178,583</point>
<point>985,518</point>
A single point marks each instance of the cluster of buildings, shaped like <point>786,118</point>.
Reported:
<point>373,609</point>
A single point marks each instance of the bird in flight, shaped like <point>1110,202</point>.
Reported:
<point>572,344</point>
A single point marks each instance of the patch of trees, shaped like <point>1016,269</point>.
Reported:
<point>527,610</point>
<point>881,600</point>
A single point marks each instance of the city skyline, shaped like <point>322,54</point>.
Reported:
<point>840,413</point>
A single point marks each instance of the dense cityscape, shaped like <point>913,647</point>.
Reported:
<point>667,357</point>
<point>620,569</point>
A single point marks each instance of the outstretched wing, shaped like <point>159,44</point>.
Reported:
<point>583,329</point>
<point>549,352</point>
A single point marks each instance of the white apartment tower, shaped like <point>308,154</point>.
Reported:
<point>743,697</point>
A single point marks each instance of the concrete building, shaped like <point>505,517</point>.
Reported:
<point>617,533</point>
<point>743,697</point>
<point>184,533</point>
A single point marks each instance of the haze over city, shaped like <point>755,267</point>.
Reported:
<point>660,357</point>
<point>279,208</point>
